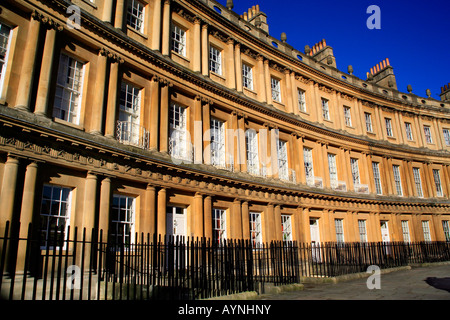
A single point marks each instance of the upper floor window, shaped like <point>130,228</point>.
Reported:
<point>135,15</point>
<point>427,131</point>
<point>217,143</point>
<point>283,169</point>
<point>332,168</point>
<point>129,114</point>
<point>69,86</point>
<point>408,130</point>
<point>418,182</point>
<point>368,118</point>
<point>123,213</point>
<point>247,76</point>
<point>251,138</point>
<point>215,60</point>
<point>179,40</point>
<point>309,168</point>
<point>5,35</point>
<point>55,214</point>
<point>447,136</point>
<point>177,132</point>
<point>397,179</point>
<point>301,98</point>
<point>388,123</point>
<point>355,171</point>
<point>325,109</point>
<point>276,89</point>
<point>347,116</point>
<point>376,176</point>
<point>437,182</point>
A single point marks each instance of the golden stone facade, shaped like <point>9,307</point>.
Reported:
<point>182,117</point>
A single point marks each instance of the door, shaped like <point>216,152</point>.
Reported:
<point>384,231</point>
<point>315,240</point>
<point>176,221</point>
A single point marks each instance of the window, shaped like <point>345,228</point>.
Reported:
<point>355,171</point>
<point>418,182</point>
<point>347,116</point>
<point>69,87</point>
<point>446,227</point>
<point>5,35</point>
<point>135,15</point>
<point>55,214</point>
<point>129,113</point>
<point>426,230</point>
<point>325,109</point>
<point>427,131</point>
<point>177,131</point>
<point>332,169</point>
<point>339,226</point>
<point>397,179</point>
<point>286,227</point>
<point>255,229</point>
<point>309,168</point>
<point>389,131</point>
<point>276,89</point>
<point>247,76</point>
<point>122,219</point>
<point>368,118</point>
<point>219,225</point>
<point>405,231</point>
<point>283,169</point>
<point>179,40</point>
<point>408,130</point>
<point>447,136</point>
<point>251,139</point>
<point>215,60</point>
<point>217,143</point>
<point>301,98</point>
<point>376,177</point>
<point>362,230</point>
<point>437,182</point>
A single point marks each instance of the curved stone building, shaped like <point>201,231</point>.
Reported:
<point>182,117</point>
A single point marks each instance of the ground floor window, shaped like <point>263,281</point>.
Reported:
<point>445,225</point>
<point>122,219</point>
<point>255,229</point>
<point>286,227</point>
<point>219,225</point>
<point>426,230</point>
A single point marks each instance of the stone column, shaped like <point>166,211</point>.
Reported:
<point>197,45</point>
<point>236,220</point>
<point>261,81</point>
<point>119,15</point>
<point>197,216</point>
<point>238,66</point>
<point>161,212</point>
<point>156,29</point>
<point>8,191</point>
<point>230,66</point>
<point>97,110</point>
<point>206,113</point>
<point>207,217</point>
<point>289,91</point>
<point>43,91</point>
<point>28,64</point>
<point>245,221</point>
<point>107,11</point>
<point>105,206</point>
<point>205,51</point>
<point>267,82</point>
<point>198,131</point>
<point>148,220</point>
<point>166,28</point>
<point>294,95</point>
<point>270,223</point>
<point>164,118</point>
<point>111,106</point>
<point>278,234</point>
<point>154,113</point>
<point>90,202</point>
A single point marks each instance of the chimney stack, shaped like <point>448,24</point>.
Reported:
<point>383,74</point>
<point>254,14</point>
<point>445,93</point>
<point>323,53</point>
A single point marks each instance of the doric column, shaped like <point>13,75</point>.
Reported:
<point>197,45</point>
<point>111,106</point>
<point>154,113</point>
<point>278,235</point>
<point>8,191</point>
<point>238,66</point>
<point>197,225</point>
<point>156,29</point>
<point>161,212</point>
<point>149,218</point>
<point>270,223</point>
<point>245,221</point>
<point>164,117</point>
<point>119,15</point>
<point>28,197</point>
<point>205,51</point>
<point>43,92</point>
<point>105,205</point>
<point>207,217</point>
<point>166,28</point>
<point>90,202</point>
<point>97,110</point>
<point>236,220</point>
<point>28,64</point>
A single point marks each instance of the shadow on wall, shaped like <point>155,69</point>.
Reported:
<point>439,283</point>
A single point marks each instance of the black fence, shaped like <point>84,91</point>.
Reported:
<point>93,266</point>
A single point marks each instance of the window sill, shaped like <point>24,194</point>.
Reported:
<point>371,133</point>
<point>93,5</point>
<point>392,138</point>
<point>179,55</point>
<point>280,104</point>
<point>67,123</point>
<point>137,32</point>
<point>249,90</point>
<point>212,73</point>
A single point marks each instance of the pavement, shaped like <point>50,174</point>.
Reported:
<point>418,283</point>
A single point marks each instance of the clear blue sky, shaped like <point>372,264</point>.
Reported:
<point>414,35</point>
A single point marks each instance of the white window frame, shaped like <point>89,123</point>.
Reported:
<point>4,57</point>
<point>446,228</point>
<point>62,216</point>
<point>69,89</point>
<point>282,156</point>
<point>301,99</point>
<point>368,118</point>
<point>426,230</point>
<point>408,130</point>
<point>215,60</point>
<point>397,179</point>
<point>178,40</point>
<point>405,231</point>
<point>348,116</point>
<point>325,109</point>
<point>251,140</point>
<point>446,133</point>
<point>136,15</point>
<point>377,178</point>
<point>418,182</point>
<point>355,171</point>
<point>339,228</point>
<point>389,131</point>
<point>286,227</point>
<point>219,225</point>
<point>123,229</point>
<point>362,230</point>
<point>437,182</point>
<point>255,229</point>
<point>178,131</point>
<point>308,162</point>
<point>276,89</point>
<point>130,113</point>
<point>428,135</point>
<point>332,168</point>
<point>218,155</point>
<point>247,76</point>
